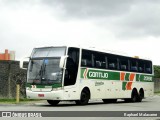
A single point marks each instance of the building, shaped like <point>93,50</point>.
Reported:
<point>8,55</point>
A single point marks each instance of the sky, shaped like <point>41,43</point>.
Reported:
<point>128,27</point>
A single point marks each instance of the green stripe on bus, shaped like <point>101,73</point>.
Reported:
<point>124,85</point>
<point>82,72</point>
<point>144,78</point>
<point>90,73</point>
<point>137,77</point>
<point>99,74</point>
<point>127,76</point>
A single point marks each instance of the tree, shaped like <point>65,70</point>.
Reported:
<point>156,71</point>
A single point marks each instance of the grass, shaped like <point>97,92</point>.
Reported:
<point>13,101</point>
<point>157,93</point>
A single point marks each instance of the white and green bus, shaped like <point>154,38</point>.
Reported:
<point>80,74</point>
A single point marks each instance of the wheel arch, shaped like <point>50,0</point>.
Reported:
<point>135,89</point>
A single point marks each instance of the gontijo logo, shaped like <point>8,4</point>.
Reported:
<point>98,74</point>
<point>95,74</point>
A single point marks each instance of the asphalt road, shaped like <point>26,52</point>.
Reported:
<point>148,104</point>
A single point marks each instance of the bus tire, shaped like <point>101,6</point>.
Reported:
<point>53,102</point>
<point>141,95</point>
<point>84,98</point>
<point>109,100</point>
<point>134,96</point>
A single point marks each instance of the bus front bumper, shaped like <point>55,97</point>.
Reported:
<point>49,95</point>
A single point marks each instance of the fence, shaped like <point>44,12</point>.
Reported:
<point>10,74</point>
<point>157,85</point>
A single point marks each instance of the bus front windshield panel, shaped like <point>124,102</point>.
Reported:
<point>44,71</point>
<point>44,66</point>
<point>48,52</point>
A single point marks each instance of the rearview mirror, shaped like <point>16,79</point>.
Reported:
<point>62,61</point>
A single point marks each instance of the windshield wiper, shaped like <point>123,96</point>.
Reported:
<point>42,72</point>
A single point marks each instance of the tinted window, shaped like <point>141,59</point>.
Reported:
<point>123,64</point>
<point>148,67</point>
<point>99,60</point>
<point>112,62</point>
<point>141,66</point>
<point>133,65</point>
<point>87,59</point>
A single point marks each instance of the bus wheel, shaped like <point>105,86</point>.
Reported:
<point>53,102</point>
<point>85,95</point>
<point>141,95</point>
<point>109,100</point>
<point>134,96</point>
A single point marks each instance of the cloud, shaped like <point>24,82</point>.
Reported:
<point>142,21</point>
<point>118,25</point>
<point>90,8</point>
<point>25,26</point>
<point>126,19</point>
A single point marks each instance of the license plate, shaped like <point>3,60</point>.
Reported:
<point>40,95</point>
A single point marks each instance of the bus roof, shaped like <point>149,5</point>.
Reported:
<point>100,50</point>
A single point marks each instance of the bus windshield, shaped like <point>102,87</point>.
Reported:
<point>48,52</point>
<point>44,66</point>
<point>44,71</point>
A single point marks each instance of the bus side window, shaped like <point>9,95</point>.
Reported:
<point>133,66</point>
<point>89,63</point>
<point>99,60</point>
<point>123,67</point>
<point>103,64</point>
<point>113,63</point>
<point>148,70</point>
<point>123,62</point>
<point>84,62</point>
<point>86,59</point>
<point>98,64</point>
<point>148,67</point>
<point>141,66</point>
<point>140,69</point>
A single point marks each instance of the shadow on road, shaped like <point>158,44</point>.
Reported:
<point>71,104</point>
